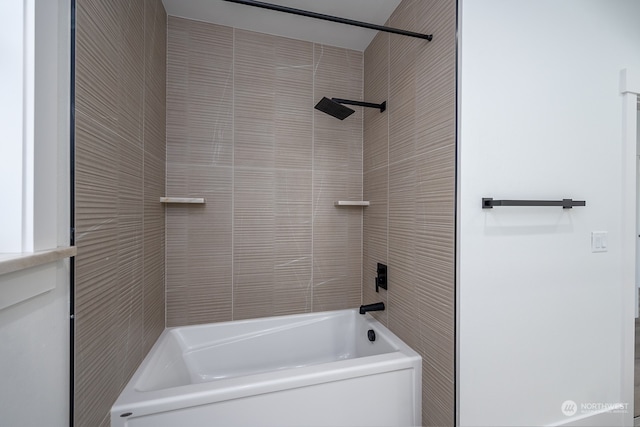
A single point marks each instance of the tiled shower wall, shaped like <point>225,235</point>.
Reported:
<point>243,134</point>
<point>409,178</point>
<point>120,168</point>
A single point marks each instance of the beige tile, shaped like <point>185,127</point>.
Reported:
<point>435,86</point>
<point>402,99</point>
<point>337,241</point>
<point>96,274</point>
<point>130,178</point>
<point>272,140</point>
<point>376,89</point>
<point>154,248</point>
<point>196,266</point>
<point>96,316</point>
<point>293,251</point>
<point>337,144</point>
<point>130,96</point>
<point>154,188</point>
<point>272,242</point>
<point>253,242</point>
<point>254,109</point>
<point>91,406</point>
<point>155,153</point>
<point>376,69</point>
<point>129,312</point>
<point>402,241</point>
<point>375,238</point>
<point>120,158</point>
<point>199,93</point>
<point>421,188</point>
<point>293,116</point>
<point>155,78</point>
<point>153,290</point>
<point>96,182</point>
<point>375,170</point>
<point>273,158</point>
<point>97,60</point>
<point>435,187</point>
<point>438,393</point>
<point>273,87</point>
<point>376,140</point>
<point>337,73</point>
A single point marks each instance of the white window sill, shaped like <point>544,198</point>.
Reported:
<point>10,263</point>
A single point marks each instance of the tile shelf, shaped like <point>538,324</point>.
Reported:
<point>183,200</point>
<point>351,203</point>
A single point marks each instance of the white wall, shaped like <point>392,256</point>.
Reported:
<point>542,319</point>
<point>27,92</point>
<point>34,389</point>
<point>34,334</point>
<point>12,34</point>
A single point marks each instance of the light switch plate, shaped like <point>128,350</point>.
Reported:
<point>599,241</point>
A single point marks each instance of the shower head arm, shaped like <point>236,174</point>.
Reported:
<point>382,106</point>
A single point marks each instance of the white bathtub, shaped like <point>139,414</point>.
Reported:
<point>317,369</point>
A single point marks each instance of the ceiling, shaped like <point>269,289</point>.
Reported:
<point>293,26</point>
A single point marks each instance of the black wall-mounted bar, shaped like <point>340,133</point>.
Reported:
<point>489,203</point>
<point>331,18</point>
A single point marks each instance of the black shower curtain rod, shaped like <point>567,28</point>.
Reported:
<point>331,18</point>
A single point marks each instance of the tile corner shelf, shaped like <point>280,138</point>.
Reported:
<point>350,203</point>
<point>183,200</point>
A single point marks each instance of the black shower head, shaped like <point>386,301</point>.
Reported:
<point>334,108</point>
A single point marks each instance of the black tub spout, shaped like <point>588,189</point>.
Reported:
<point>378,306</point>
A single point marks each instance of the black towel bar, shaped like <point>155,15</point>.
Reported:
<point>489,203</point>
